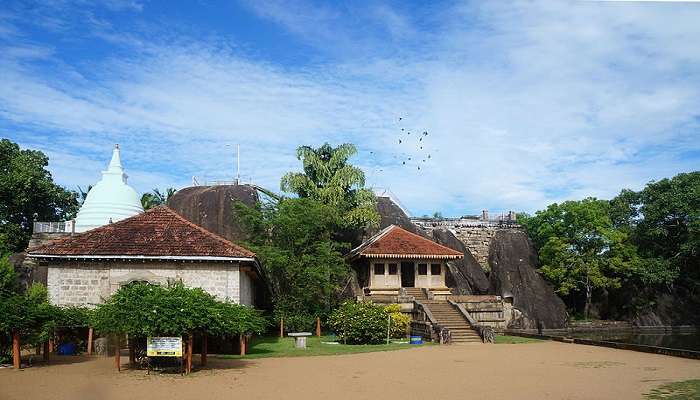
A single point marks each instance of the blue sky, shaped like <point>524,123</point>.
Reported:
<point>525,103</point>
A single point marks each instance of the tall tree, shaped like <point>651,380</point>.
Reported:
<point>329,178</point>
<point>304,265</point>
<point>27,191</point>
<point>579,248</point>
<point>156,198</point>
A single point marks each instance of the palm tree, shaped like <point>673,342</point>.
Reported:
<point>156,198</point>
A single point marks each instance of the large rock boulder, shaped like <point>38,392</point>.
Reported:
<point>392,214</point>
<point>465,275</point>
<point>513,275</point>
<point>211,207</point>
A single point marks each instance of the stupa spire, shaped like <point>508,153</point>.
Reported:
<point>115,165</point>
<point>110,200</point>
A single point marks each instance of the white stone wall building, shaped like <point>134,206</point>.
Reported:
<point>159,247</point>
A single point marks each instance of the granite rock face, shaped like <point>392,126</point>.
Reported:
<point>513,275</point>
<point>392,214</point>
<point>211,207</point>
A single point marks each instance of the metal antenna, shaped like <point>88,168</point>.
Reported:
<point>238,162</point>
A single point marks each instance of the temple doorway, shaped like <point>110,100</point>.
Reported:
<point>408,274</point>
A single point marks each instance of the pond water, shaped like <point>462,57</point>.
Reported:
<point>675,340</point>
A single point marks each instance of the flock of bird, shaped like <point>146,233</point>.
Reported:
<point>414,146</point>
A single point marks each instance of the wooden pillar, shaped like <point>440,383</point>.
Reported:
<point>132,353</point>
<point>117,356</point>
<point>318,326</point>
<point>16,355</point>
<point>190,343</point>
<point>46,351</point>
<point>281,327</point>
<point>242,341</point>
<point>89,342</point>
<point>205,349</point>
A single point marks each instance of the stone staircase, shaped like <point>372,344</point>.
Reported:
<point>417,293</point>
<point>449,317</point>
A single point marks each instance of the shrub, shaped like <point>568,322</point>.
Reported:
<point>399,321</point>
<point>359,323</point>
<point>366,322</point>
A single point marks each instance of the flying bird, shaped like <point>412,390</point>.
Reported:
<point>399,141</point>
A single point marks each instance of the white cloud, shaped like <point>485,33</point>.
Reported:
<point>525,104</point>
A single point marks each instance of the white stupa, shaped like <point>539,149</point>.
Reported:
<point>111,199</point>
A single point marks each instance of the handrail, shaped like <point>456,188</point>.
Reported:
<point>443,333</point>
<point>485,332</point>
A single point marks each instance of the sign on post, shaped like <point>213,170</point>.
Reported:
<point>164,347</point>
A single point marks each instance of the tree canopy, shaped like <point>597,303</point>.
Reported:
<point>140,309</point>
<point>579,248</point>
<point>329,178</point>
<point>27,191</point>
<point>156,198</point>
<point>304,265</point>
<point>638,242</point>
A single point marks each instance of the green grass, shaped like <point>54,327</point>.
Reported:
<point>277,347</point>
<point>684,390</point>
<point>514,340</point>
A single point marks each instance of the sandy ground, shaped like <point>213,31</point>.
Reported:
<point>545,370</point>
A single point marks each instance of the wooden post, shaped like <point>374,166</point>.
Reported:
<point>203,356</point>
<point>46,352</point>
<point>281,327</point>
<point>16,355</point>
<point>89,342</point>
<point>318,326</point>
<point>117,356</point>
<point>190,343</point>
<point>241,340</point>
<point>132,353</point>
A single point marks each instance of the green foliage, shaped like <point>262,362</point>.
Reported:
<point>304,266</point>
<point>669,227</point>
<point>27,189</point>
<point>580,249</point>
<point>330,179</point>
<point>8,278</point>
<point>367,323</point>
<point>156,198</point>
<point>400,322</point>
<point>142,310</point>
<point>360,322</point>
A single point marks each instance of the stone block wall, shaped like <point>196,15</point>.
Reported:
<point>477,239</point>
<point>87,283</point>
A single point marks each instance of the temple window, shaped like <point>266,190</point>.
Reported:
<point>379,269</point>
<point>422,269</point>
<point>435,269</point>
<point>393,269</point>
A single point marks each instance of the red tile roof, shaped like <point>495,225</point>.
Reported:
<point>159,233</point>
<point>396,242</point>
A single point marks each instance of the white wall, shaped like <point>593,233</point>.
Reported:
<point>86,283</point>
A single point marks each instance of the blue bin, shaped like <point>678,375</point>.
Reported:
<point>416,340</point>
<point>67,349</point>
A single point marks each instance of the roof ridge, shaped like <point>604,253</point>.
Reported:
<point>425,238</point>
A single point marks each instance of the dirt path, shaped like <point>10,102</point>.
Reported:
<point>525,371</point>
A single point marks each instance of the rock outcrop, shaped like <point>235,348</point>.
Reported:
<point>211,207</point>
<point>513,276</point>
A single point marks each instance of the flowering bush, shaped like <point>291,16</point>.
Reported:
<point>366,322</point>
